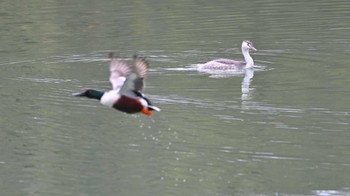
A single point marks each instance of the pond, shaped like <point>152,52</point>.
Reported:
<point>281,128</point>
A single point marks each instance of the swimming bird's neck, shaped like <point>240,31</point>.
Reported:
<point>248,59</point>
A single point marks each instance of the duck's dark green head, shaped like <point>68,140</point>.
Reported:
<point>90,93</point>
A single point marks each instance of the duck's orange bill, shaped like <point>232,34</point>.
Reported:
<point>146,111</point>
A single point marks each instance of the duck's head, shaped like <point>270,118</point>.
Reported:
<point>90,93</point>
<point>247,46</point>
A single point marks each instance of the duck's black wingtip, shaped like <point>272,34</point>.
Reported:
<point>111,55</point>
<point>135,56</point>
<point>141,58</point>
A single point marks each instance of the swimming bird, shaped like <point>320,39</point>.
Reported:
<point>127,86</point>
<point>228,64</point>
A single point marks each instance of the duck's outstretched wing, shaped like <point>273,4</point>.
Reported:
<point>140,68</point>
<point>119,71</point>
<point>135,81</point>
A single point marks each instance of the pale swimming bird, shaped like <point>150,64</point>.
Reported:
<point>228,64</point>
<point>127,84</point>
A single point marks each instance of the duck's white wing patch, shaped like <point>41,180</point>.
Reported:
<point>119,71</point>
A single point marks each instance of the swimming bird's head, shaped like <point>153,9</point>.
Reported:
<point>248,45</point>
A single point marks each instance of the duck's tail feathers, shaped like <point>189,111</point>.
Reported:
<point>152,107</point>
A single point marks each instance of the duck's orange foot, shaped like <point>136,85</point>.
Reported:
<point>146,111</point>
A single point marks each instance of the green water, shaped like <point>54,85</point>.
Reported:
<point>282,129</point>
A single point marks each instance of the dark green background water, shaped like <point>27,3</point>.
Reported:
<point>286,134</point>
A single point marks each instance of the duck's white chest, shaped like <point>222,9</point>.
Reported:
<point>109,98</point>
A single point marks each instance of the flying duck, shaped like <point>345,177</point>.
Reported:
<point>127,86</point>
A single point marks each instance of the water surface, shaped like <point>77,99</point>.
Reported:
<point>280,129</point>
